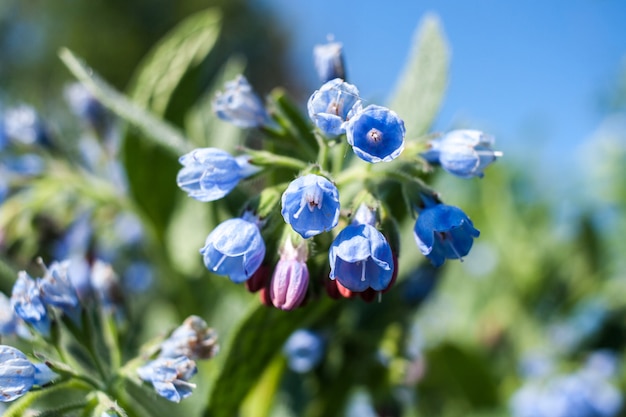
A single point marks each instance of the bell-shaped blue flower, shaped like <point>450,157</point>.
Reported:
<point>239,105</point>
<point>376,134</point>
<point>56,289</point>
<point>234,248</point>
<point>193,339</point>
<point>444,232</point>
<point>332,105</point>
<point>208,174</point>
<point>464,153</point>
<point>170,376</point>
<point>304,350</point>
<point>328,60</point>
<point>28,305</point>
<point>360,258</point>
<point>18,374</point>
<point>310,204</point>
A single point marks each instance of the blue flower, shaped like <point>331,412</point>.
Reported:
<point>169,377</point>
<point>234,248</point>
<point>334,103</point>
<point>328,59</point>
<point>376,134</point>
<point>208,174</point>
<point>360,258</point>
<point>193,339</point>
<point>22,124</point>
<point>239,105</point>
<point>28,305</point>
<point>464,153</point>
<point>310,204</point>
<point>87,107</point>
<point>18,374</point>
<point>8,319</point>
<point>56,289</point>
<point>304,350</point>
<point>444,232</point>
<point>290,280</point>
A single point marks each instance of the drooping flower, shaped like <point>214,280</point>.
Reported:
<point>444,232</point>
<point>310,204</point>
<point>238,104</point>
<point>56,289</point>
<point>28,304</point>
<point>464,153</point>
<point>332,105</point>
<point>22,124</point>
<point>328,59</point>
<point>304,350</point>
<point>18,374</point>
<point>361,258</point>
<point>376,134</point>
<point>193,339</point>
<point>170,376</point>
<point>234,248</point>
<point>209,174</point>
<point>290,280</point>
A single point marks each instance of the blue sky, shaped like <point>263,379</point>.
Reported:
<point>531,72</point>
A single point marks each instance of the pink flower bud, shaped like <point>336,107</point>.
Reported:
<point>289,284</point>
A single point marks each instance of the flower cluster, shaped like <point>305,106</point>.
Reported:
<point>363,251</point>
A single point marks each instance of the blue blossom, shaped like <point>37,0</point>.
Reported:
<point>328,59</point>
<point>239,105</point>
<point>28,305</point>
<point>86,106</point>
<point>310,204</point>
<point>209,174</point>
<point>290,280</point>
<point>376,134</point>
<point>304,350</point>
<point>464,153</point>
<point>332,105</point>
<point>106,286</point>
<point>18,374</point>
<point>56,289</point>
<point>22,124</point>
<point>8,319</point>
<point>27,165</point>
<point>234,248</point>
<point>444,232</point>
<point>361,258</point>
<point>169,377</point>
<point>193,339</point>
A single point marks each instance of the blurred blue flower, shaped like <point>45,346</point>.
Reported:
<point>56,289</point>
<point>360,258</point>
<point>106,287</point>
<point>464,153</point>
<point>310,204</point>
<point>169,377</point>
<point>239,105</point>
<point>304,350</point>
<point>28,305</point>
<point>8,319</point>
<point>22,124</point>
<point>290,280</point>
<point>27,164</point>
<point>18,374</point>
<point>334,103</point>
<point>138,276</point>
<point>328,60</point>
<point>234,248</point>
<point>376,134</point>
<point>444,232</point>
<point>209,174</point>
<point>84,105</point>
<point>193,339</point>
<point>76,239</point>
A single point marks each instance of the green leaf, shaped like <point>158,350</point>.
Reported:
<point>155,129</point>
<point>420,89</point>
<point>254,344</point>
<point>185,46</point>
<point>64,396</point>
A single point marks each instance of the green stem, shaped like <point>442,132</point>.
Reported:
<point>322,154</point>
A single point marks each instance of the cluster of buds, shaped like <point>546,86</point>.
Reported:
<point>364,248</point>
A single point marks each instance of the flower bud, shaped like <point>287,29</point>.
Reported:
<point>290,280</point>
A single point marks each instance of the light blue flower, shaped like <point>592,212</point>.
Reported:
<point>361,258</point>
<point>290,280</point>
<point>464,153</point>
<point>169,377</point>
<point>376,134</point>
<point>56,289</point>
<point>27,165</point>
<point>304,350</point>
<point>332,105</point>
<point>18,374</point>
<point>22,124</point>
<point>310,204</point>
<point>328,59</point>
<point>8,319</point>
<point>208,174</point>
<point>444,232</point>
<point>238,104</point>
<point>234,248</point>
<point>28,305</point>
<point>84,105</point>
<point>193,339</point>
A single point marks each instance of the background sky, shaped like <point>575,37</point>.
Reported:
<point>533,73</point>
